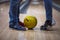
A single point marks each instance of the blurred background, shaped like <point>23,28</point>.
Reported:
<point>36,9</point>
<point>56,3</point>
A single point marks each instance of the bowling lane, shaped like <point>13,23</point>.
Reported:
<point>39,12</point>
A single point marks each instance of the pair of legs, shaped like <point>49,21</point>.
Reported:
<point>14,13</point>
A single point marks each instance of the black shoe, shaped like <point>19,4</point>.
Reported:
<point>11,25</point>
<point>18,27</point>
<point>47,25</point>
<point>44,27</point>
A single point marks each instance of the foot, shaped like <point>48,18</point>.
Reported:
<point>11,25</point>
<point>48,25</point>
<point>18,27</point>
<point>43,27</point>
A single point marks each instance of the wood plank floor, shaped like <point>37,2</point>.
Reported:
<point>35,10</point>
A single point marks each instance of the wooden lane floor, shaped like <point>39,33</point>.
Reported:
<point>35,10</point>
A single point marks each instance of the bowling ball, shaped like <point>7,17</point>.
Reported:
<point>30,22</point>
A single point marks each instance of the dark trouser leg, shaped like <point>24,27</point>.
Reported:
<point>48,8</point>
<point>14,11</point>
<point>24,6</point>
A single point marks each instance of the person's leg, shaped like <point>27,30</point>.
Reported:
<point>48,8</point>
<point>14,15</point>
<point>24,6</point>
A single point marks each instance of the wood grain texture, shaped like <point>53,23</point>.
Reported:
<point>35,10</point>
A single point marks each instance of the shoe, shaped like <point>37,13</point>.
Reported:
<point>43,27</point>
<point>18,27</point>
<point>48,25</point>
<point>11,25</point>
<point>53,22</point>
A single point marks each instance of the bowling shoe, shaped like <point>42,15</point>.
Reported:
<point>17,26</point>
<point>48,25</point>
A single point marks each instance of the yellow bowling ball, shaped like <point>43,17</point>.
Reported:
<point>30,22</point>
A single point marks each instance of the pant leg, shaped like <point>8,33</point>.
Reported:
<point>24,6</point>
<point>48,8</point>
<point>14,11</point>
